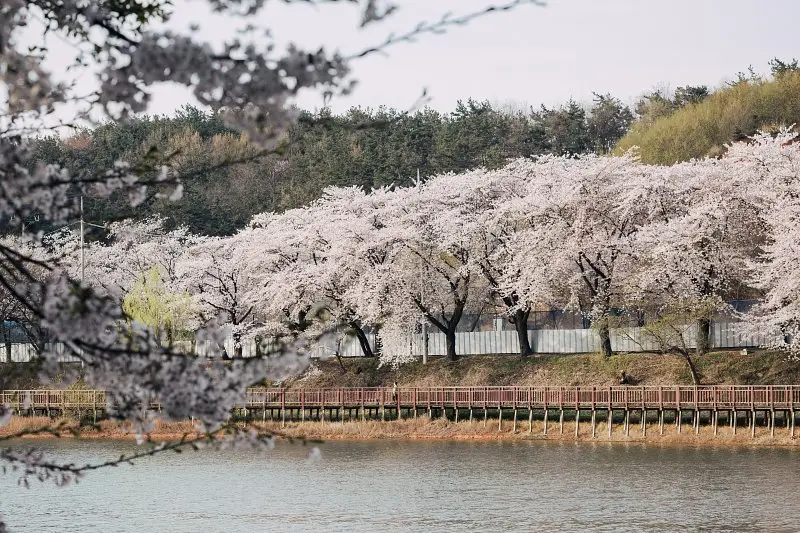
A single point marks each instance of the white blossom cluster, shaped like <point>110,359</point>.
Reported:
<point>592,233</point>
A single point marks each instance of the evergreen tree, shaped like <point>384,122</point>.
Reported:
<point>566,129</point>
<point>608,122</point>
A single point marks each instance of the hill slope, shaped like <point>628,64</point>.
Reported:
<point>727,115</point>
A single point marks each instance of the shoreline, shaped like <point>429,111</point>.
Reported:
<point>422,429</point>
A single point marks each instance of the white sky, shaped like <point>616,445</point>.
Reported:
<point>532,55</point>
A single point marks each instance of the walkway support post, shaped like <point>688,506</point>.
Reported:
<point>283,408</point>
<point>544,427</point>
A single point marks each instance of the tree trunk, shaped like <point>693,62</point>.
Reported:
<point>448,327</point>
<point>703,335</point>
<point>692,368</point>
<point>521,325</point>
<point>237,347</point>
<point>605,339</point>
<point>363,341</point>
<point>378,343</point>
<point>450,336</point>
<point>339,356</point>
<point>4,333</point>
<point>450,332</point>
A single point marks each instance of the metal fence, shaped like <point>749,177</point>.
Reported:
<point>632,339</point>
<point>24,352</point>
<point>727,334</point>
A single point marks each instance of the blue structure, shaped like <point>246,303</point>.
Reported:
<point>13,332</point>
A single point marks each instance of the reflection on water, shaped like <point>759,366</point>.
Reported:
<point>420,486</point>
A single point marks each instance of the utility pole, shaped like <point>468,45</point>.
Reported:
<point>422,292</point>
<point>83,262</point>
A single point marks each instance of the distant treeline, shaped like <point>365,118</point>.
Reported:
<point>226,180</point>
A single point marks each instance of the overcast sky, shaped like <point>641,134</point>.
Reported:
<point>532,55</point>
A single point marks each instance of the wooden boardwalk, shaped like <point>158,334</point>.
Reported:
<point>749,405</point>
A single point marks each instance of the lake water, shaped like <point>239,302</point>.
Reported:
<point>420,486</point>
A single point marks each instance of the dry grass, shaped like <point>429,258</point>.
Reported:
<point>105,429</point>
<point>439,429</point>
<point>422,428</point>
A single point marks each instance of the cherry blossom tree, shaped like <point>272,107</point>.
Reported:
<point>338,254</point>
<point>214,273</point>
<point>36,255</point>
<point>130,250</point>
<point>135,264</point>
<point>771,163</point>
<point>582,215</point>
<point>429,246</point>
<point>690,257</point>
<point>502,231</point>
<point>130,48</point>
<point>315,265</point>
<point>352,263</point>
<point>274,249</point>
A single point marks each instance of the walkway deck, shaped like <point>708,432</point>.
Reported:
<point>770,401</point>
<point>738,397</point>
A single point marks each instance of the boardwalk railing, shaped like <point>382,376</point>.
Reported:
<point>714,397</point>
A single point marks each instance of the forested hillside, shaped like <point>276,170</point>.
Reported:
<point>368,148</point>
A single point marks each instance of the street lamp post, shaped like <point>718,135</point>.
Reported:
<point>83,260</point>
<point>422,293</point>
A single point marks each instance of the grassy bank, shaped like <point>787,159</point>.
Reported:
<point>718,368</point>
<point>701,129</point>
<point>758,367</point>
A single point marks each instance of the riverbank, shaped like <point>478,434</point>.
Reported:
<point>583,370</point>
<point>423,428</point>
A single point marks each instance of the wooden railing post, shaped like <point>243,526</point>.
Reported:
<point>283,407</point>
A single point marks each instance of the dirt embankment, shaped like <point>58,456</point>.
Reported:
<point>718,368</point>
